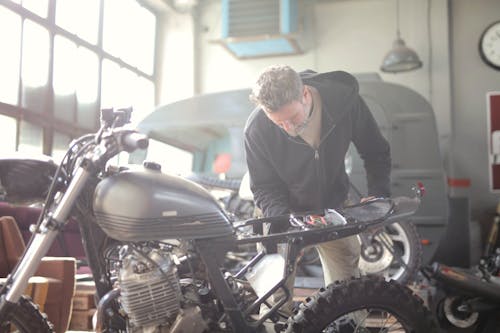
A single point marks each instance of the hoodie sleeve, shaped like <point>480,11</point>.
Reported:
<point>373,149</point>
<point>270,193</point>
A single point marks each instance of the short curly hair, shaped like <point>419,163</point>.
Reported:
<point>276,86</point>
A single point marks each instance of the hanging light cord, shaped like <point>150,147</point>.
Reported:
<point>397,20</point>
<point>429,62</point>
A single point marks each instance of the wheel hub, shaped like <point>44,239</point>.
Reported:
<point>456,317</point>
<point>375,258</point>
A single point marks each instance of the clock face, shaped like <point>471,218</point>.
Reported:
<point>489,45</point>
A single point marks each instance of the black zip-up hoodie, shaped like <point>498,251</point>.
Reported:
<point>287,174</point>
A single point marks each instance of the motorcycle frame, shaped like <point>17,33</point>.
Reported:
<point>211,252</point>
<point>211,249</point>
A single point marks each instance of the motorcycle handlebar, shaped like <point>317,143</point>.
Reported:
<point>133,141</point>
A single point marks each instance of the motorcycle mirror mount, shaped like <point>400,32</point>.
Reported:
<point>118,118</point>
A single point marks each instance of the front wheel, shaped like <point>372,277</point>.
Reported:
<point>367,304</point>
<point>25,317</point>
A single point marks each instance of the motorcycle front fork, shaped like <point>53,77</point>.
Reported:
<point>43,239</point>
<point>29,264</point>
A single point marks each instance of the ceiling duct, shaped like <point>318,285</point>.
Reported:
<point>260,28</point>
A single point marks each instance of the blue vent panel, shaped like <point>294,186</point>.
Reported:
<point>260,48</point>
<point>289,16</point>
<point>260,28</point>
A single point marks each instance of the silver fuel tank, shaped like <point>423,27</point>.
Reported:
<point>145,204</point>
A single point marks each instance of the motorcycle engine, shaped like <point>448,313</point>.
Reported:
<point>150,290</point>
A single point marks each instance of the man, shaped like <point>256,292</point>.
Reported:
<point>296,141</point>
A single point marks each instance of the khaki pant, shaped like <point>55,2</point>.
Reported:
<point>339,259</point>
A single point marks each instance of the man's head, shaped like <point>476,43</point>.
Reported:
<point>279,91</point>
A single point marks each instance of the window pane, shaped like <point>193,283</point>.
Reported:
<point>10,39</point>
<point>7,135</point>
<point>34,63</point>
<point>80,17</point>
<point>35,60</point>
<point>111,87</point>
<point>30,139</point>
<point>64,79</point>
<point>123,88</point>
<point>128,80</point>
<point>134,43</point>
<point>64,66</point>
<point>87,75</point>
<point>87,79</point>
<point>144,98</point>
<point>38,7</point>
<point>141,50</point>
<point>60,146</point>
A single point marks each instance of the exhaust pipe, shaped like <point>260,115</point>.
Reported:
<point>466,282</point>
<point>102,309</point>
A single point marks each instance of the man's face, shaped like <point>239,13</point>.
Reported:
<point>292,117</point>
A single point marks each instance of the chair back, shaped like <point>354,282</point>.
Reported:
<point>11,245</point>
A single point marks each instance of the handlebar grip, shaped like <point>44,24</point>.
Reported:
<point>133,141</point>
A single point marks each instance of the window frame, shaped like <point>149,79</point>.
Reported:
<point>45,118</point>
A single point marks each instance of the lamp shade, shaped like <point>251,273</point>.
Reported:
<point>400,58</point>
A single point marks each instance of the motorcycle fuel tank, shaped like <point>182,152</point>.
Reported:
<point>139,205</point>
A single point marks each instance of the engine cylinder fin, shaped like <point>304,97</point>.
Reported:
<point>151,297</point>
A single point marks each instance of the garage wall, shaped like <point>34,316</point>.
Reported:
<point>471,80</point>
<point>354,35</point>
<point>350,35</point>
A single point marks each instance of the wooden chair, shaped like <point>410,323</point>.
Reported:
<point>53,287</point>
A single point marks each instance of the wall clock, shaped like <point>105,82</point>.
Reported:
<point>489,45</point>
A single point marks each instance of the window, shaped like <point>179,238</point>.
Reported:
<point>79,17</point>
<point>64,79</point>
<point>11,51</point>
<point>35,61</point>
<point>39,7</point>
<point>30,138</point>
<point>35,66</point>
<point>8,135</point>
<point>129,33</point>
<point>123,88</point>
<point>87,79</point>
<point>60,146</point>
<point>63,60</point>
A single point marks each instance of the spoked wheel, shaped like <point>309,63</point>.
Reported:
<point>394,252</point>
<point>368,304</point>
<point>25,318</point>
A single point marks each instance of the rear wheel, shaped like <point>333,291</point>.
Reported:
<point>368,304</point>
<point>25,317</point>
<point>394,252</point>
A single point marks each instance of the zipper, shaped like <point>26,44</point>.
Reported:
<point>316,150</point>
<point>327,134</point>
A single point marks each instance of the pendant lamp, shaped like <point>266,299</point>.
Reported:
<point>400,58</point>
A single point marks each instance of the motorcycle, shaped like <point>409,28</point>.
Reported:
<point>156,245</point>
<point>393,251</point>
<point>468,299</point>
